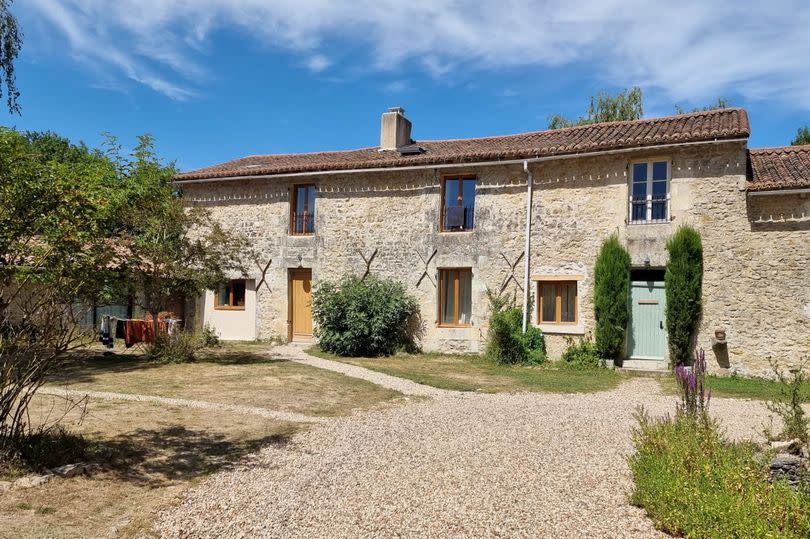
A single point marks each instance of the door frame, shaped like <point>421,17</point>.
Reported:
<point>291,273</point>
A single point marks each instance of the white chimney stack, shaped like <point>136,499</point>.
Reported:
<point>395,130</point>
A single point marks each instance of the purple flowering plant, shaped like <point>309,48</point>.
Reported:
<point>692,383</point>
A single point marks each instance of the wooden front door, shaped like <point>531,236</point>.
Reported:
<point>300,299</point>
<point>647,338</point>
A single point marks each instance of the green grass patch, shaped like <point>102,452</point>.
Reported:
<point>694,483</point>
<point>736,387</point>
<point>475,373</point>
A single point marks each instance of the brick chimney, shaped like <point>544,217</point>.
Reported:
<point>395,130</point>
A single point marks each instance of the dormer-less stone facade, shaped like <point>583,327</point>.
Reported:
<point>756,249</point>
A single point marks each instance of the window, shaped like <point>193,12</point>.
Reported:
<point>302,210</point>
<point>231,296</point>
<point>649,196</point>
<point>458,203</point>
<point>455,297</point>
<point>558,302</point>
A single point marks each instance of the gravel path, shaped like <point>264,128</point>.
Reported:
<point>204,405</point>
<point>505,465</point>
<point>295,352</point>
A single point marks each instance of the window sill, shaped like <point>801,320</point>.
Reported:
<point>454,326</point>
<point>562,329</point>
<point>294,235</point>
<point>220,308</point>
<point>637,223</point>
<point>465,231</point>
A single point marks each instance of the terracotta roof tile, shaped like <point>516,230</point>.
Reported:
<point>786,167</point>
<point>692,127</point>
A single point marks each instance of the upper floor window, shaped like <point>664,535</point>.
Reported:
<point>302,209</point>
<point>458,203</point>
<point>231,296</point>
<point>649,193</point>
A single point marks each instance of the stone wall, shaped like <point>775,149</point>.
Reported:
<point>756,277</point>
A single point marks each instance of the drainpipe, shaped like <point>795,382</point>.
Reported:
<point>527,257</point>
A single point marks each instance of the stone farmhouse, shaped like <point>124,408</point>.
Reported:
<point>526,214</point>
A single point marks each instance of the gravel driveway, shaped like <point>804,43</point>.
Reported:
<point>459,465</point>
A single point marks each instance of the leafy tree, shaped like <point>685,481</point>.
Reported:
<point>611,293</point>
<point>54,220</point>
<point>684,288</point>
<point>10,44</point>
<point>722,103</point>
<point>802,137</point>
<point>625,105</point>
<point>167,250</point>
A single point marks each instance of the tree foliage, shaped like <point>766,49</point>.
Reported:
<point>55,217</point>
<point>802,137</point>
<point>721,103</point>
<point>166,250</point>
<point>364,317</point>
<point>79,225</point>
<point>684,289</point>
<point>10,44</point>
<point>625,105</point>
<point>611,292</point>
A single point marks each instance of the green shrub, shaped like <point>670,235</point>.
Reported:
<point>46,448</point>
<point>611,292</point>
<point>793,394</point>
<point>182,347</point>
<point>694,483</point>
<point>683,279</point>
<point>506,342</point>
<point>209,336</point>
<point>364,317</point>
<point>582,354</point>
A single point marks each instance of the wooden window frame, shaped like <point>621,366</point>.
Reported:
<point>558,284</point>
<point>294,204</point>
<point>460,199</point>
<point>456,297</point>
<point>230,307</point>
<point>649,184</point>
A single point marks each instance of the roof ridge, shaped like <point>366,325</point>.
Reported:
<point>667,118</point>
<point>780,149</point>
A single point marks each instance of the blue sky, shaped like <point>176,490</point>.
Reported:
<point>217,79</point>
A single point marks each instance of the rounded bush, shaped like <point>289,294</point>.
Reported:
<point>364,317</point>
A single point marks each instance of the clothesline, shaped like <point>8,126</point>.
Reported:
<point>134,331</point>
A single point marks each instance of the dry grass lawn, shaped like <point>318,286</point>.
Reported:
<point>159,451</point>
<point>240,373</point>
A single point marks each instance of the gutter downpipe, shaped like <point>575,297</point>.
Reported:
<point>527,245</point>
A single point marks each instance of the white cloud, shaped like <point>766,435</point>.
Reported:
<point>689,50</point>
<point>317,63</point>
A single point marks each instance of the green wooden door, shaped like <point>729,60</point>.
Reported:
<point>647,338</point>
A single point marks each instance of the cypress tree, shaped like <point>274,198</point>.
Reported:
<point>611,293</point>
<point>684,288</point>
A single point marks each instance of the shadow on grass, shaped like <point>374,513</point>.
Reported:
<point>157,457</point>
<point>83,366</point>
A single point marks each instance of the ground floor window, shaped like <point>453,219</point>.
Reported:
<point>557,302</point>
<point>231,296</point>
<point>455,297</point>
